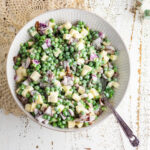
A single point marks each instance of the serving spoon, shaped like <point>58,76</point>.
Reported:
<point>132,138</point>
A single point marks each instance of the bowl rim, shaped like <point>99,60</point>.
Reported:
<point>67,129</point>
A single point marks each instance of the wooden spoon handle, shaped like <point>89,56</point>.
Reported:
<point>132,138</point>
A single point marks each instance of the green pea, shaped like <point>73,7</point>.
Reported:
<point>15,67</point>
<point>45,116</point>
<point>38,106</point>
<point>86,124</point>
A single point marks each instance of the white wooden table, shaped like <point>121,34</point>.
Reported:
<point>20,133</point>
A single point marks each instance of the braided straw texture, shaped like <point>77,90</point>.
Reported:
<point>14,14</point>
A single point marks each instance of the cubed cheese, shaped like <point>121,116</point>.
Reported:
<point>21,73</point>
<point>44,57</point>
<point>94,92</point>
<point>33,106</point>
<point>67,25</point>
<point>30,43</point>
<point>76,97</point>
<point>57,52</point>
<point>90,95</point>
<point>80,61</point>
<point>60,107</point>
<point>71,124</point>
<point>103,53</point>
<point>81,90</point>
<point>67,36</point>
<point>35,76</point>
<point>51,24</point>
<point>33,33</point>
<point>28,107</point>
<point>39,100</point>
<point>79,124</point>
<point>77,35</point>
<point>57,83</point>
<point>109,73</point>
<point>76,79</point>
<point>44,106</point>
<point>62,74</point>
<point>84,32</point>
<point>73,32</point>
<point>113,84</point>
<point>113,57</point>
<point>66,88</point>
<point>53,97</point>
<point>27,90</point>
<point>85,70</point>
<point>104,56</point>
<point>80,45</point>
<point>80,108</point>
<point>99,69</point>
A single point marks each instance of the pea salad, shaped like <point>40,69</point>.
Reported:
<point>63,73</point>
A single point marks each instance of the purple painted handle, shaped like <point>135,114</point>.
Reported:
<point>132,138</point>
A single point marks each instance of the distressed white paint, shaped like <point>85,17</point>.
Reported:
<point>20,133</point>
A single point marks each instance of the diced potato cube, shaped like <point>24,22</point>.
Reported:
<point>90,95</point>
<point>76,97</point>
<point>28,107</point>
<point>21,73</point>
<point>62,74</point>
<point>60,107</point>
<point>80,45</point>
<point>113,84</point>
<point>113,57</point>
<point>27,90</point>
<point>44,57</point>
<point>57,52</point>
<point>94,92</point>
<point>39,100</point>
<point>67,36</point>
<point>67,25</point>
<point>79,124</point>
<point>71,124</point>
<point>85,70</point>
<point>81,90</point>
<point>84,32</point>
<point>80,61</point>
<point>110,73</point>
<point>35,76</point>
<point>53,97</point>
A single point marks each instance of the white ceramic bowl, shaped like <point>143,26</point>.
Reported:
<point>94,22</point>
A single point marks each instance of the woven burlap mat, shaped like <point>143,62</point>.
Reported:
<point>14,14</point>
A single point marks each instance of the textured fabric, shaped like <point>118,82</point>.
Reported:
<point>14,14</point>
